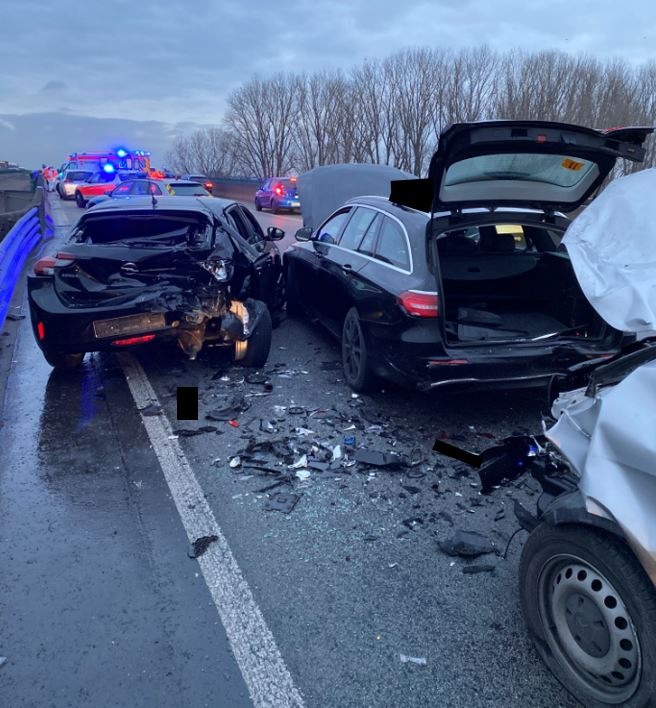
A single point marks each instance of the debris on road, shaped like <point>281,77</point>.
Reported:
<point>420,660</point>
<point>472,569</point>
<point>376,458</point>
<point>230,409</point>
<point>151,409</point>
<point>190,432</point>
<point>15,318</point>
<point>200,545</point>
<point>303,474</point>
<point>235,462</point>
<point>468,544</point>
<point>282,502</point>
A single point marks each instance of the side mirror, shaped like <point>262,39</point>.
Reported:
<point>304,233</point>
<point>274,234</point>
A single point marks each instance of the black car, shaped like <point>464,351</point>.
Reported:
<point>192,270</point>
<point>460,278</point>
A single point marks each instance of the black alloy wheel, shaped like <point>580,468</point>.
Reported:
<point>355,354</point>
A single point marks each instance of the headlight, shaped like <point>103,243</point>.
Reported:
<point>221,269</point>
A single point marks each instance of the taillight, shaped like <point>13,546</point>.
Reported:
<point>133,340</point>
<point>208,186</point>
<point>279,190</point>
<point>40,331</point>
<point>419,304</point>
<point>47,265</point>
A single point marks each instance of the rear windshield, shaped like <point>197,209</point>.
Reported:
<point>138,228</point>
<point>187,190</point>
<point>287,183</point>
<point>558,170</point>
<point>197,178</point>
<point>77,176</point>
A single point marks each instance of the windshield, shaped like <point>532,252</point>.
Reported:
<point>78,176</point>
<point>156,229</point>
<point>187,190</point>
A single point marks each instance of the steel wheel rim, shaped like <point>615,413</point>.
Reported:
<point>352,349</point>
<point>589,629</point>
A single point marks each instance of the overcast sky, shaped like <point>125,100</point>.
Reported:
<point>164,66</point>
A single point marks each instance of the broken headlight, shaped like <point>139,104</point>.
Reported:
<point>221,269</point>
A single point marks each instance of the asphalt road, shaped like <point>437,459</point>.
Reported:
<point>102,606</point>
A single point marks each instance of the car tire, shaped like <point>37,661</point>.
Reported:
<point>355,354</point>
<point>258,206</point>
<point>63,361</point>
<point>79,200</point>
<point>259,343</point>
<point>293,302</point>
<point>274,207</point>
<point>572,577</point>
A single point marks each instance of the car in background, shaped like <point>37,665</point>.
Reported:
<point>191,270</point>
<point>481,291</point>
<point>101,183</point>
<point>200,179</point>
<point>144,187</point>
<point>278,193</point>
<point>70,180</point>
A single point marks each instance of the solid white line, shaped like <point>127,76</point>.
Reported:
<point>267,678</point>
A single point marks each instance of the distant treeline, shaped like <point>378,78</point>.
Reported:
<point>392,110</point>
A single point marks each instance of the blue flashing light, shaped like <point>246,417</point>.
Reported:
<point>108,167</point>
<point>122,152</point>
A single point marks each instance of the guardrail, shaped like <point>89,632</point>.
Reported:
<point>32,228</point>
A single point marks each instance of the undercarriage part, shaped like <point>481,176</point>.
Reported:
<point>191,340</point>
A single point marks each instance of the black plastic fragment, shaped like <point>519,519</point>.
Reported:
<point>526,520</point>
<point>190,432</point>
<point>282,502</point>
<point>151,409</point>
<point>200,545</point>
<point>15,318</point>
<point>468,544</point>
<point>232,408</point>
<point>472,569</point>
<point>376,458</point>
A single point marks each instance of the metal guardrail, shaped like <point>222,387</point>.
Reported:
<point>32,228</point>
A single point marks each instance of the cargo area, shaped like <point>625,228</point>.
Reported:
<point>511,282</point>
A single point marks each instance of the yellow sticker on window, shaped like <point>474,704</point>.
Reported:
<point>569,164</point>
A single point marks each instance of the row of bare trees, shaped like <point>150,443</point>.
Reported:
<point>392,110</point>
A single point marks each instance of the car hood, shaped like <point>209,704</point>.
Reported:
<point>536,164</point>
<point>324,189</point>
<point>612,246</point>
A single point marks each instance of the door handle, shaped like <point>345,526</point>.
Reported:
<point>347,268</point>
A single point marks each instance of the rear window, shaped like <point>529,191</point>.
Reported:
<point>392,245</point>
<point>287,183</point>
<point>159,230</point>
<point>187,190</point>
<point>557,170</point>
<point>197,178</point>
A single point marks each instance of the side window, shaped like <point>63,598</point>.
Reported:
<point>369,240</point>
<point>121,190</point>
<point>356,228</point>
<point>154,189</point>
<point>329,232</point>
<point>392,247</point>
<point>255,236</point>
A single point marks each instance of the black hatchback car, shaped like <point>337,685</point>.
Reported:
<point>191,270</point>
<point>460,278</point>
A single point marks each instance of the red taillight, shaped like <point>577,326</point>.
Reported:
<point>279,190</point>
<point>47,265</point>
<point>419,304</point>
<point>142,339</point>
<point>208,185</point>
<point>40,331</point>
<point>542,138</point>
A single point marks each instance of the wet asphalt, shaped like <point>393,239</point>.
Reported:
<point>102,607</point>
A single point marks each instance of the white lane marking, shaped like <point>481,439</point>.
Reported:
<point>268,680</point>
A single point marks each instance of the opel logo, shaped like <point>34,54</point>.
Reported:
<point>129,268</point>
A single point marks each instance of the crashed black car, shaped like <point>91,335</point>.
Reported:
<point>191,270</point>
<point>460,278</point>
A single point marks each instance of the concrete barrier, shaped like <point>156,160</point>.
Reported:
<point>241,190</point>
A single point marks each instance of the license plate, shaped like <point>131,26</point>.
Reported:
<point>298,204</point>
<point>130,324</point>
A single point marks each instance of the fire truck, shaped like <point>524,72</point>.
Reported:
<point>109,161</point>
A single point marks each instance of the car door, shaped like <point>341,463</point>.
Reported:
<point>342,264</point>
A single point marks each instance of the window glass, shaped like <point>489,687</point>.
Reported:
<point>140,187</point>
<point>369,240</point>
<point>392,247</point>
<point>122,189</point>
<point>356,228</point>
<point>329,232</point>
<point>255,235</point>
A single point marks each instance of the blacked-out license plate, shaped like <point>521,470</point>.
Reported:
<point>130,324</point>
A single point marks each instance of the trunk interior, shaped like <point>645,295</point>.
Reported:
<point>512,283</point>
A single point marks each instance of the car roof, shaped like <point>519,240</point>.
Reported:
<point>214,205</point>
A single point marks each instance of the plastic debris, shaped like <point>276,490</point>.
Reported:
<point>303,474</point>
<point>280,411</point>
<point>337,452</point>
<point>468,544</point>
<point>231,408</point>
<point>472,569</point>
<point>200,545</point>
<point>282,502</point>
<point>421,660</point>
<point>3,660</point>
<point>295,410</point>
<point>300,463</point>
<point>303,431</point>
<point>376,458</point>
<point>190,432</point>
<point>151,409</point>
<point>235,462</point>
<point>233,423</point>
<point>15,318</point>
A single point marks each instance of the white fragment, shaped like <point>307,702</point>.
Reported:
<point>421,660</point>
<point>235,462</point>
<point>303,474</point>
<point>300,463</point>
